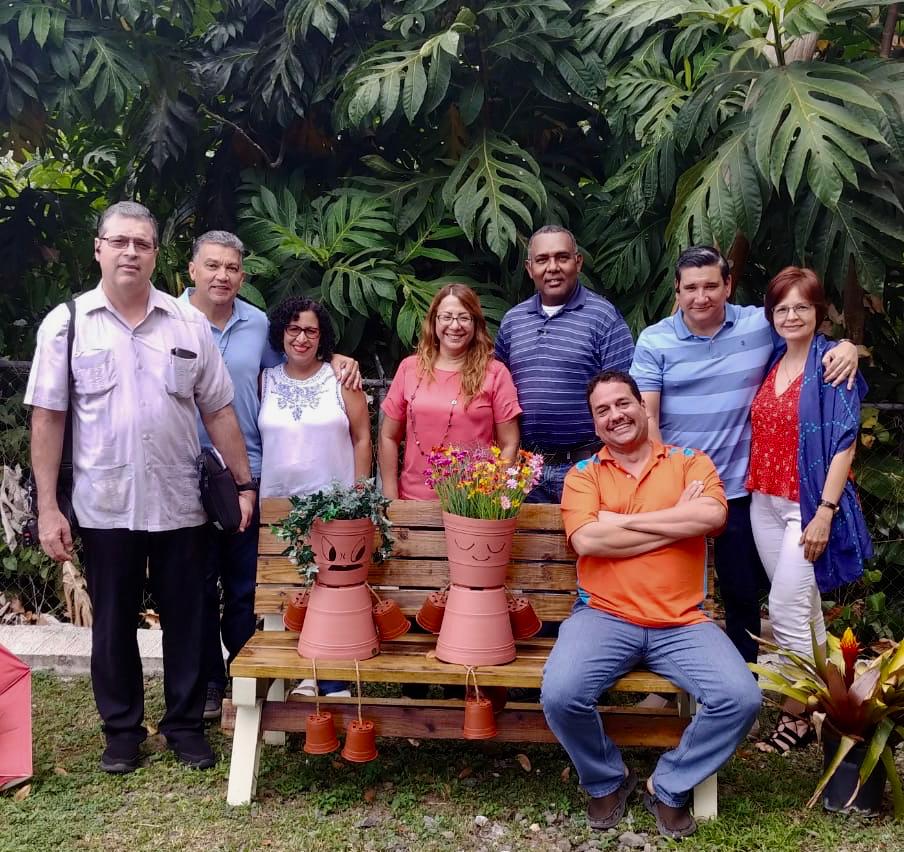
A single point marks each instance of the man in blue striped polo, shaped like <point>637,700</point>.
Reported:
<point>698,371</point>
<point>553,344</point>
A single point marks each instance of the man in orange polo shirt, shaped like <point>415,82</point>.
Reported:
<point>637,514</point>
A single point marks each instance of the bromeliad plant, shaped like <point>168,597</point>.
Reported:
<point>480,483</point>
<point>858,700</point>
<point>336,503</point>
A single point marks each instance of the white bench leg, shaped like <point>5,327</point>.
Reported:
<point>706,798</point>
<point>246,745</point>
<point>277,692</point>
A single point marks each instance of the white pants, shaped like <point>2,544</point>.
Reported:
<point>794,599</point>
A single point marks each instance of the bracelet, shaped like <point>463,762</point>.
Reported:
<point>251,485</point>
<point>829,505</point>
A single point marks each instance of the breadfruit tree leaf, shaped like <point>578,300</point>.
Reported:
<point>802,126</point>
<point>490,189</point>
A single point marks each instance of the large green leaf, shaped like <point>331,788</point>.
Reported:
<point>165,128</point>
<point>323,15</point>
<point>112,71</point>
<point>488,188</point>
<point>719,197</point>
<point>802,126</point>
<point>866,227</point>
<point>360,283</point>
<point>409,189</point>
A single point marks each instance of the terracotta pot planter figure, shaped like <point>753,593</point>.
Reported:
<point>479,551</point>
<point>342,550</point>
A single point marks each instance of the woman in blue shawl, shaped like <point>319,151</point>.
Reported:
<point>809,530</point>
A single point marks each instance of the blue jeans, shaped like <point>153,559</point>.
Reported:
<point>594,649</point>
<point>231,559</point>
<point>552,481</point>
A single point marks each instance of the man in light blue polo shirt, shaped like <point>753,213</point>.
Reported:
<point>698,372</point>
<point>553,344</point>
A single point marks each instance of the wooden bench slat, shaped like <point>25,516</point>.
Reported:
<point>271,600</point>
<point>420,719</point>
<point>426,513</point>
<point>405,662</point>
<point>431,544</point>
<point>430,574</point>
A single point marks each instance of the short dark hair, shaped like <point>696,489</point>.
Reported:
<point>697,257</point>
<point>282,315</point>
<point>806,280</point>
<point>552,229</point>
<point>607,376</point>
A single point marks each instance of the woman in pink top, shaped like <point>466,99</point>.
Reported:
<point>452,391</point>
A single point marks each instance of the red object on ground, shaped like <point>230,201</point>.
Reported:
<point>15,720</point>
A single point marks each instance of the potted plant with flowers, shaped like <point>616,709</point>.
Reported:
<point>481,494</point>
<point>331,538</point>
<point>856,706</point>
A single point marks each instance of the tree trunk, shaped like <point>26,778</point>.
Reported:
<point>854,311</point>
<point>737,259</point>
<point>888,34</point>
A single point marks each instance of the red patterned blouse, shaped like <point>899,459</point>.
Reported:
<point>775,428</point>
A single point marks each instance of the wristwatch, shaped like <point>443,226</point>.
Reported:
<point>829,505</point>
<point>250,485</point>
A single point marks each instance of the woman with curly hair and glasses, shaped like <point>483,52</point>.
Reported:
<point>452,391</point>
<point>313,430</point>
<point>806,519</point>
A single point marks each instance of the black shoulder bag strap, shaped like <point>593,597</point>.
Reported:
<point>65,476</point>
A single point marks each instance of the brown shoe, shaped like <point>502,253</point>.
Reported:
<point>605,812</point>
<point>671,822</point>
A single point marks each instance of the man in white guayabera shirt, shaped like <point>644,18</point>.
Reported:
<point>143,364</point>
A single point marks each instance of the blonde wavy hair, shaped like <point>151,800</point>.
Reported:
<point>480,349</point>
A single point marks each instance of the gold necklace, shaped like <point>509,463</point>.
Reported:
<point>789,377</point>
<point>417,441</point>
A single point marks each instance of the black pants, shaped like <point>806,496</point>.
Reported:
<point>117,563</point>
<point>231,559</point>
<point>741,576</point>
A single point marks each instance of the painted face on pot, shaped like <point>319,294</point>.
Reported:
<point>478,550</point>
<point>342,551</point>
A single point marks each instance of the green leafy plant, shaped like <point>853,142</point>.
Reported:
<point>859,701</point>
<point>336,503</point>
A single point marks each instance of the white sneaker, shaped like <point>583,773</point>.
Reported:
<point>340,693</point>
<point>305,687</point>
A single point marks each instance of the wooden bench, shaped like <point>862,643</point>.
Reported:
<point>543,569</point>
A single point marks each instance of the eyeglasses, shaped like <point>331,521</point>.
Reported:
<point>448,319</point>
<point>561,258</point>
<point>782,312</point>
<point>119,243</point>
<point>311,333</point>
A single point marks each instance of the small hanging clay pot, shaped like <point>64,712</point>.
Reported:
<point>360,741</point>
<point>320,734</point>
<point>296,609</point>
<point>430,615</point>
<point>391,621</point>
<point>525,622</point>
<point>480,720</point>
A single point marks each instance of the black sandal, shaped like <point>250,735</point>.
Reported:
<point>786,736</point>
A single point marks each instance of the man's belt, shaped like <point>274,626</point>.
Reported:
<point>566,455</point>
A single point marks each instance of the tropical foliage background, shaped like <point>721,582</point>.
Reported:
<point>368,152</point>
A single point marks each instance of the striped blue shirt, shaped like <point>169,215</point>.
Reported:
<point>551,359</point>
<point>707,384</point>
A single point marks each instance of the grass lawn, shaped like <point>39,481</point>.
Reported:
<point>413,797</point>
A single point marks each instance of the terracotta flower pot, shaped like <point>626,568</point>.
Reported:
<point>339,624</point>
<point>296,609</point>
<point>391,621</point>
<point>360,741</point>
<point>476,629</point>
<point>480,720</point>
<point>525,622</point>
<point>479,551</point>
<point>430,615</point>
<point>320,734</point>
<point>342,550</point>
